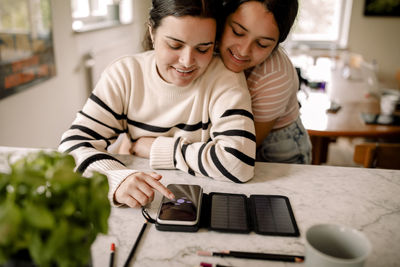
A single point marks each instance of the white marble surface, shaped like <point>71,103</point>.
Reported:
<point>366,199</point>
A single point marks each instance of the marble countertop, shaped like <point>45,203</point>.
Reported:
<point>366,199</point>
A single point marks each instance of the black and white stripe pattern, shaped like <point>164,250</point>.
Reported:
<point>205,129</point>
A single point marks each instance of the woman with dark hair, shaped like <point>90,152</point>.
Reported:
<point>253,30</point>
<point>172,105</point>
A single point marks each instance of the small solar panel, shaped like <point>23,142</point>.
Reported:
<point>229,213</point>
<point>269,214</point>
<point>273,215</point>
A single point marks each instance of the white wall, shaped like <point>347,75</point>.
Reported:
<point>37,117</point>
<point>376,38</point>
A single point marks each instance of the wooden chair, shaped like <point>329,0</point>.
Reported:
<point>378,155</point>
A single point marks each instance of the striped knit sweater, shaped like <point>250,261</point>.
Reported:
<point>205,128</point>
<point>273,87</point>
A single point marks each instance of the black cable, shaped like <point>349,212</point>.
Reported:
<point>147,216</point>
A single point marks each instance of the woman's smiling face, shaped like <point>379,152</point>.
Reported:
<point>184,48</point>
<point>249,37</point>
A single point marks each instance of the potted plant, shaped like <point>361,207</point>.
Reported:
<point>49,212</point>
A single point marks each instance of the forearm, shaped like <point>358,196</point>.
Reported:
<point>87,140</point>
<point>262,130</point>
<point>90,156</point>
<point>228,155</point>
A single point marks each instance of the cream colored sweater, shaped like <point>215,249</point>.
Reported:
<point>205,128</point>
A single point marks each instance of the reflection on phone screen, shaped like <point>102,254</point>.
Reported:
<point>180,209</point>
<point>185,205</point>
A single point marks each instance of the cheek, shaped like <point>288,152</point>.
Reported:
<point>231,40</point>
<point>204,60</point>
<point>227,38</point>
<point>166,58</point>
<point>260,55</point>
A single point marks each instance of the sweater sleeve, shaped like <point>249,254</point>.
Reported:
<point>229,151</point>
<point>97,126</point>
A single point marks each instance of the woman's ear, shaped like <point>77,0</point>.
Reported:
<point>151,33</point>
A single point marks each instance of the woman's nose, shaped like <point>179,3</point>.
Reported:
<point>244,48</point>
<point>186,58</point>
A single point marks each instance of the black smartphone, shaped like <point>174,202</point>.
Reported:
<point>184,209</point>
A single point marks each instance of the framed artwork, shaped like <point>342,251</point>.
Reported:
<point>387,8</point>
<point>26,45</point>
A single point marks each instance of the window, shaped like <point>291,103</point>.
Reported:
<point>321,24</point>
<point>94,14</point>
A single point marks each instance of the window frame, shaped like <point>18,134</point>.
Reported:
<point>339,42</point>
<point>99,21</point>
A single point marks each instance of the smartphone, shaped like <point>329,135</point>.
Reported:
<point>184,209</point>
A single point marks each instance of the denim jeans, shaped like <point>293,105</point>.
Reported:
<point>290,144</point>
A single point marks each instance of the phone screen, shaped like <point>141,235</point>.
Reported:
<point>184,209</point>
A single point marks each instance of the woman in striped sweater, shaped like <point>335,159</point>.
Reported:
<point>178,103</point>
<point>250,42</point>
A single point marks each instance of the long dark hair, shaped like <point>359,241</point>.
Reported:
<point>179,8</point>
<point>284,11</point>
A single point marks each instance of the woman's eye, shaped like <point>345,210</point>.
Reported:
<point>236,33</point>
<point>262,45</point>
<point>203,50</point>
<point>175,47</point>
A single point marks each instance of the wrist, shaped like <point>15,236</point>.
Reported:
<point>162,153</point>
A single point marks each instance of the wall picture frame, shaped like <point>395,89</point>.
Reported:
<point>382,8</point>
<point>26,45</point>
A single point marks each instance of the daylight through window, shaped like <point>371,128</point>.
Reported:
<point>322,24</point>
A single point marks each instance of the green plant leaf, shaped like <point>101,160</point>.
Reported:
<point>4,181</point>
<point>10,220</point>
<point>51,210</point>
<point>68,208</point>
<point>55,242</point>
<point>36,249</point>
<point>38,216</point>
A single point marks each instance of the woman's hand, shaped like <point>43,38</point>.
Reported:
<point>262,130</point>
<point>142,147</point>
<point>138,189</point>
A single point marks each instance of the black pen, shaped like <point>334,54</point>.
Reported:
<point>253,255</point>
<point>135,245</point>
<point>112,254</point>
